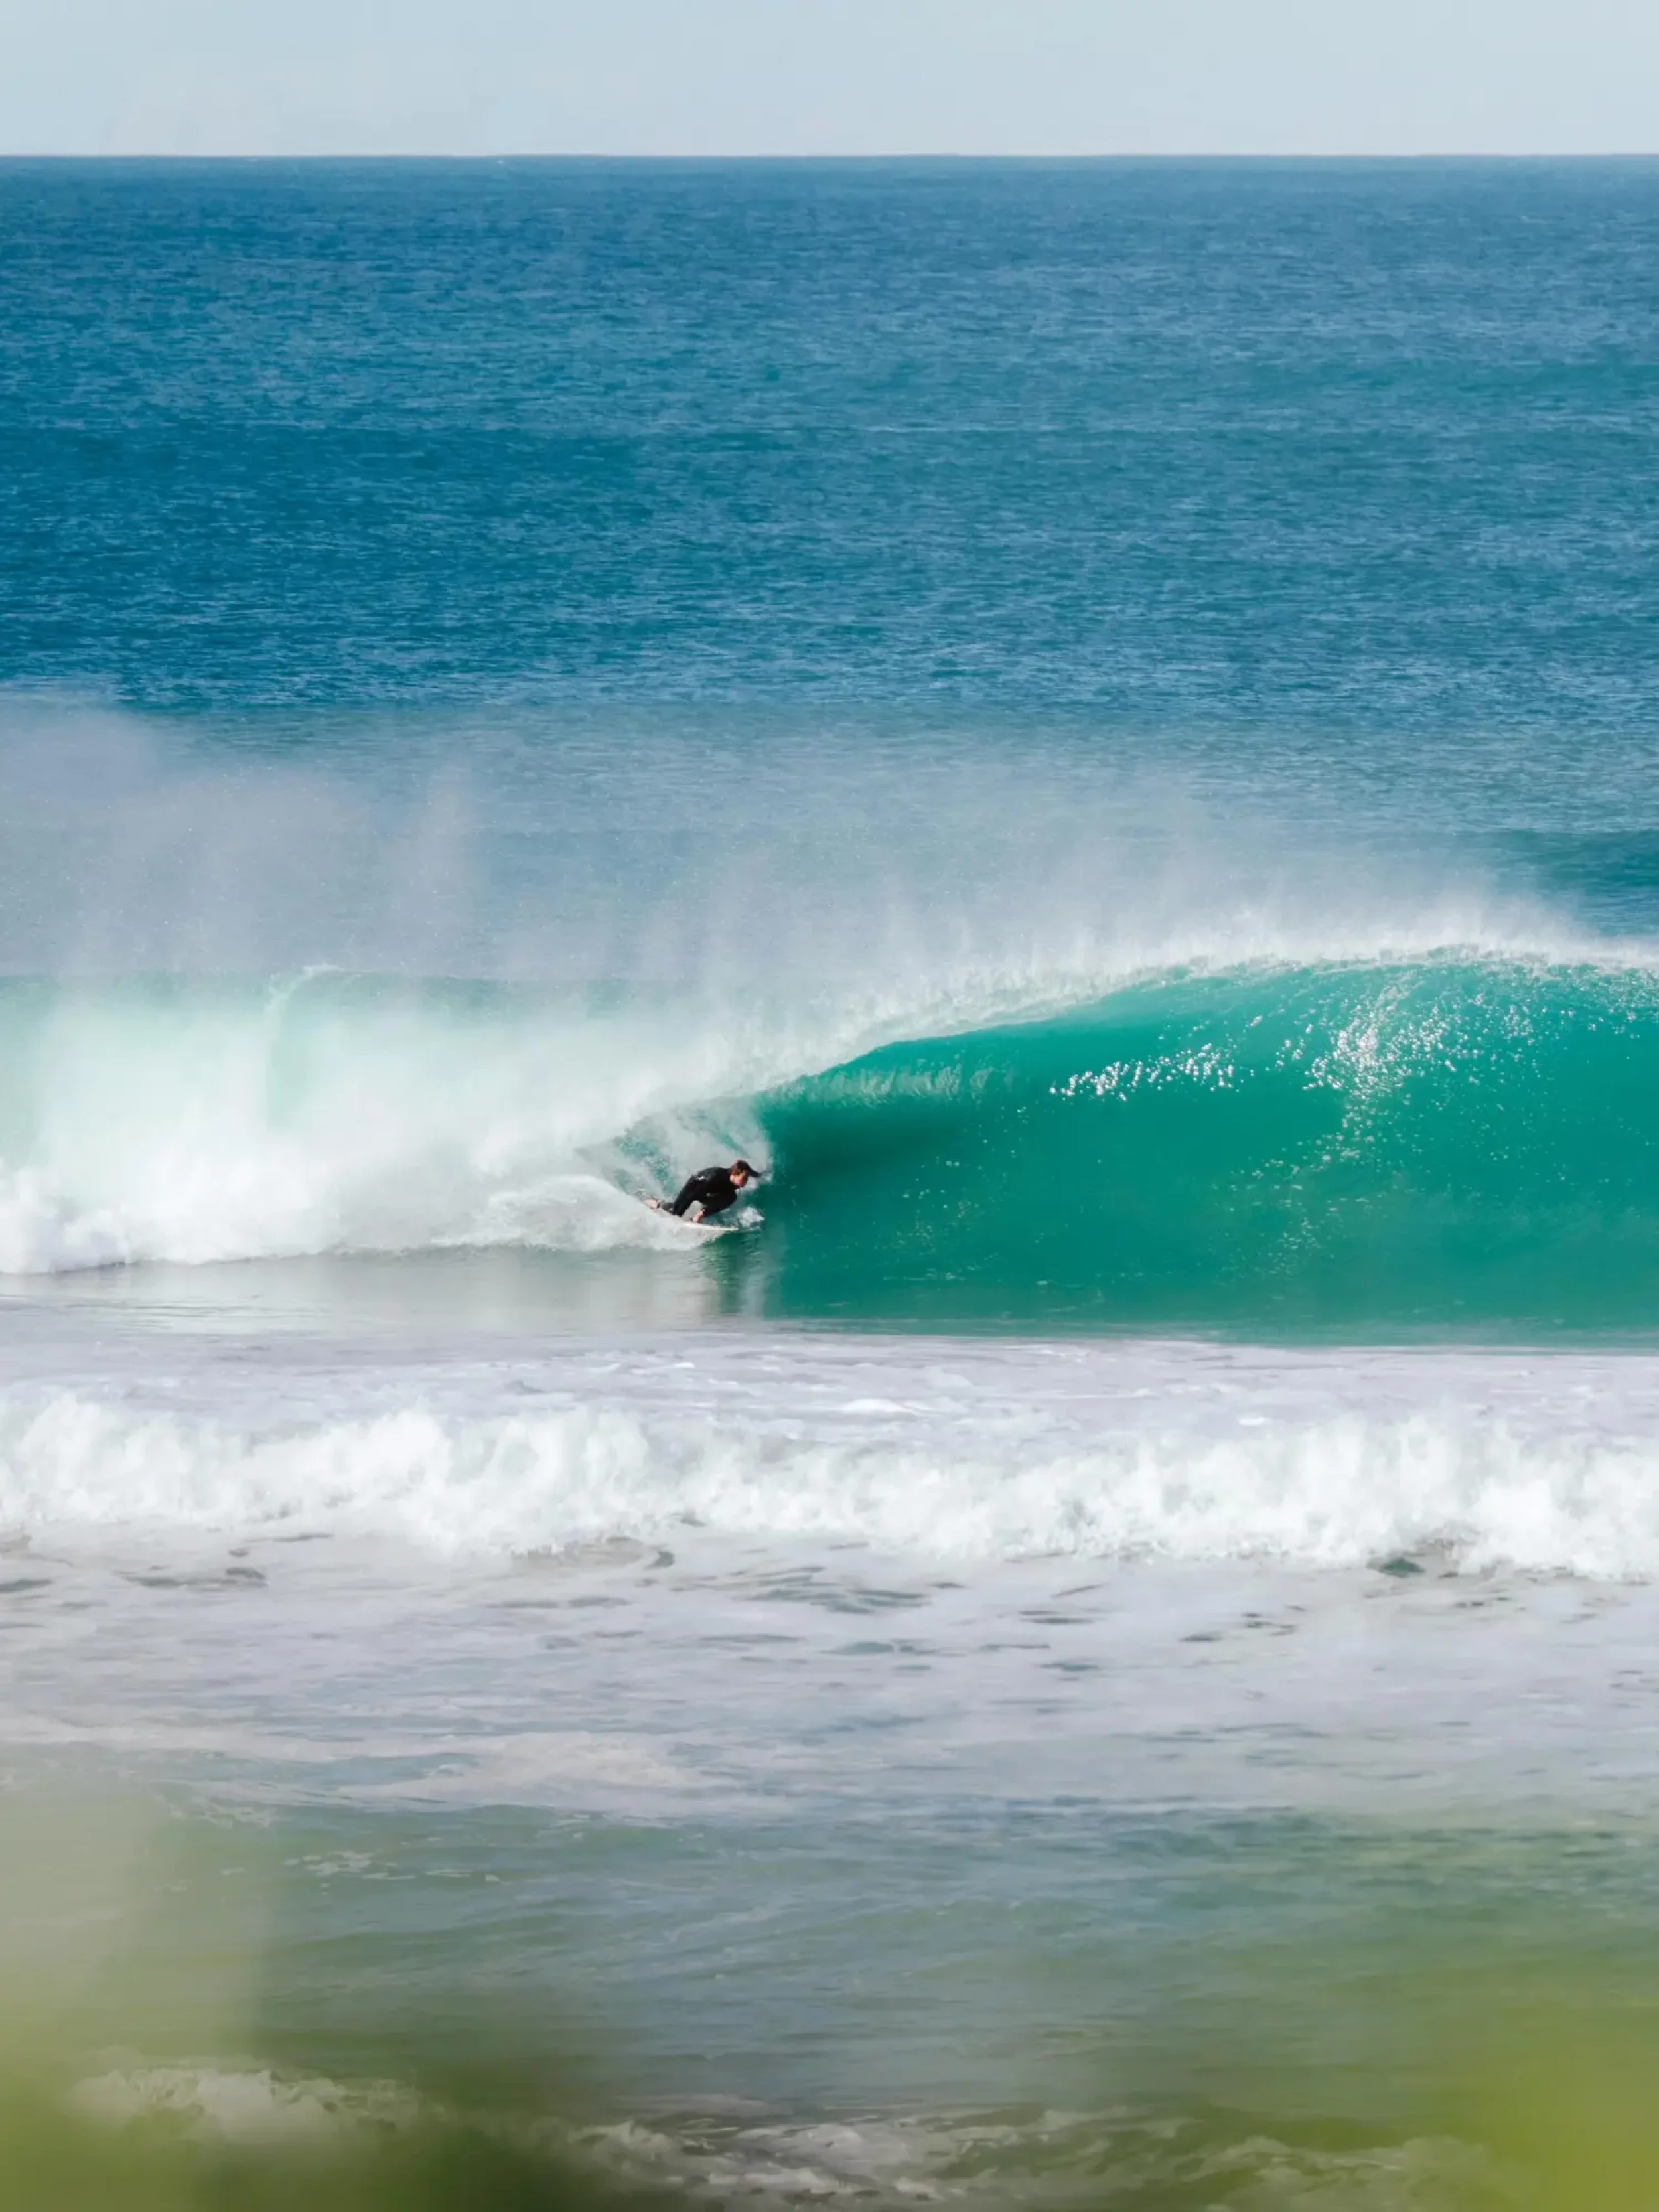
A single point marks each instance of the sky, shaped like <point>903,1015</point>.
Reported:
<point>829,76</point>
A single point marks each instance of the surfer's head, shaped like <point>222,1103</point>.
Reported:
<point>741,1172</point>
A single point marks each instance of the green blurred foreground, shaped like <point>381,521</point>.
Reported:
<point>1574,2132</point>
<point>143,2072</point>
<point>51,2158</point>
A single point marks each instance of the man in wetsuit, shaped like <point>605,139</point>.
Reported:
<point>711,1191</point>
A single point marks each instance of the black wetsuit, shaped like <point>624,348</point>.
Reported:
<point>714,1190</point>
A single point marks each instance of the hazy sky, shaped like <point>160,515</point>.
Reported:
<point>855,76</point>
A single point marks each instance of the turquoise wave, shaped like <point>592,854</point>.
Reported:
<point>1469,1144</point>
<point>1361,1150</point>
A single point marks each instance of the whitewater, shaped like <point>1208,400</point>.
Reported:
<point>957,1450</point>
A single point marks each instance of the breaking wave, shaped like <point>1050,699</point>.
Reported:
<point>1462,1138</point>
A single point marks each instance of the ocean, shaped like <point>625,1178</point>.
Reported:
<point>1097,720</point>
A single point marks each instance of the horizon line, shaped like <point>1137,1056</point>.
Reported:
<point>865,159</point>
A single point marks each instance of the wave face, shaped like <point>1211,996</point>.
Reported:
<point>1361,1148</point>
<point>1461,1142</point>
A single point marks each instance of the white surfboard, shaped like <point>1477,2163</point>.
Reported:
<point>748,1220</point>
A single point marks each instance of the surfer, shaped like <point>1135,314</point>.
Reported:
<point>711,1191</point>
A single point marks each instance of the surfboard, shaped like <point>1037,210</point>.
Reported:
<point>710,1227</point>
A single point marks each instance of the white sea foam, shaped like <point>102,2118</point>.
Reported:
<point>976,1455</point>
<point>246,1126</point>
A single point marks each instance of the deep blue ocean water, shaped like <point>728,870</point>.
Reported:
<point>1346,456</point>
<point>1099,720</point>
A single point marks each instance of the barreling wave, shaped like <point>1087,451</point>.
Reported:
<point>1459,1140</point>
